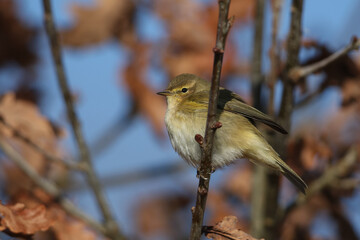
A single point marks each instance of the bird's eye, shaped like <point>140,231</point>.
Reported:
<point>184,90</point>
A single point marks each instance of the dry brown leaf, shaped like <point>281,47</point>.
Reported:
<point>337,73</point>
<point>25,118</point>
<point>19,219</point>
<point>22,115</point>
<point>343,128</point>
<point>63,226</point>
<point>226,229</point>
<point>301,217</point>
<point>16,37</point>
<point>67,228</point>
<point>159,215</point>
<point>152,106</point>
<point>185,51</point>
<point>219,206</point>
<point>238,182</point>
<point>351,92</point>
<point>106,20</point>
<point>242,10</point>
<point>305,151</point>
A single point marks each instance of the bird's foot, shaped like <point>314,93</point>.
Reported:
<point>199,175</point>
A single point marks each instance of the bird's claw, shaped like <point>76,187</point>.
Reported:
<point>199,175</point>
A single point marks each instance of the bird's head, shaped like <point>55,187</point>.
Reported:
<point>183,86</point>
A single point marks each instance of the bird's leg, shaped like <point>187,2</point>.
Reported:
<point>199,175</point>
<point>213,169</point>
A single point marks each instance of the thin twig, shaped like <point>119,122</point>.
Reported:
<point>49,187</point>
<point>224,25</point>
<point>299,72</point>
<point>69,164</point>
<point>138,175</point>
<point>113,131</point>
<point>75,124</point>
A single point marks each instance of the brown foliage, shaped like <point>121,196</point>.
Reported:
<point>67,228</point>
<point>16,37</point>
<point>19,219</point>
<point>228,228</point>
<point>34,126</point>
<point>337,73</point>
<point>159,215</point>
<point>193,53</point>
<point>150,105</point>
<point>106,20</point>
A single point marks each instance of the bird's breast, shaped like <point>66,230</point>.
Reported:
<point>182,129</point>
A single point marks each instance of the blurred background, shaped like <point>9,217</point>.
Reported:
<point>118,54</point>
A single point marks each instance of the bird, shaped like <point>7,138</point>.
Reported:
<point>187,97</point>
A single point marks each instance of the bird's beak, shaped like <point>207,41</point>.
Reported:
<point>164,93</point>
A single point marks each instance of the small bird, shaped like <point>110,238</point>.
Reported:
<point>187,105</point>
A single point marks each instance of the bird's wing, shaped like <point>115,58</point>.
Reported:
<point>232,102</point>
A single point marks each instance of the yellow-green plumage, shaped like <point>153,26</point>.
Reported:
<point>187,97</point>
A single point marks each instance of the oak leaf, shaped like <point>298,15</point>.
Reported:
<point>226,229</point>
<point>152,106</point>
<point>68,228</point>
<point>95,24</point>
<point>16,37</point>
<point>19,219</point>
<point>23,117</point>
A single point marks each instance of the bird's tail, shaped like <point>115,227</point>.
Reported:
<point>292,176</point>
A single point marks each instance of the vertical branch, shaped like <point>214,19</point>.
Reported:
<point>265,182</point>
<point>92,179</point>
<point>274,57</point>
<point>256,76</point>
<point>224,25</point>
<point>293,48</point>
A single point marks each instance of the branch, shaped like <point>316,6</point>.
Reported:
<point>224,25</point>
<point>329,179</point>
<point>299,72</point>
<point>75,124</point>
<point>70,165</point>
<point>287,105</point>
<point>113,131</point>
<point>256,74</point>
<point>49,187</point>
<point>138,175</point>
<point>259,177</point>
<point>274,54</point>
<point>331,175</point>
<point>293,48</point>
